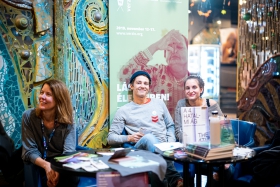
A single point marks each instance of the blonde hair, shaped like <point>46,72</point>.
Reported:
<point>64,109</point>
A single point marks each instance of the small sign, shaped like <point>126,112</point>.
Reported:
<point>195,124</point>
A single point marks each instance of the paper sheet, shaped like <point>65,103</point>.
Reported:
<point>168,145</point>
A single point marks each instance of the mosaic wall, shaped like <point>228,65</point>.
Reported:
<point>259,66</point>
<point>68,42</point>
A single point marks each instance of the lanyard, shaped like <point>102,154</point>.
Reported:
<point>44,138</point>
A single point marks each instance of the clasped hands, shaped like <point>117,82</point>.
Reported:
<point>52,177</point>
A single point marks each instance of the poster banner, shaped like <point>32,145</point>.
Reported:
<point>195,124</point>
<point>149,35</point>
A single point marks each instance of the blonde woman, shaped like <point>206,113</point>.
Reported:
<point>48,131</point>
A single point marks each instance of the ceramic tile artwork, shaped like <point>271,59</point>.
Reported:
<point>30,53</point>
<point>10,104</point>
<point>87,77</point>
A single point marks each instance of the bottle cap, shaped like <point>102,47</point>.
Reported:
<point>215,112</point>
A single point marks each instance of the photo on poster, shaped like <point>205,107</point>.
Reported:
<point>229,44</point>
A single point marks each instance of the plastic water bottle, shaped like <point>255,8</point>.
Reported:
<point>215,129</point>
<point>227,135</point>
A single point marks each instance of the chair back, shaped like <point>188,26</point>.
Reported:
<point>6,143</point>
<point>244,132</point>
<point>275,141</point>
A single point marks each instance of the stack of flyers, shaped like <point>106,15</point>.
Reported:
<point>77,157</point>
<point>89,165</point>
<point>89,168</point>
<point>99,164</point>
<point>74,165</point>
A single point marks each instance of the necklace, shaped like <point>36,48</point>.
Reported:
<point>178,81</point>
<point>44,138</point>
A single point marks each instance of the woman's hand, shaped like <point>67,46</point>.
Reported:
<point>134,137</point>
<point>52,176</point>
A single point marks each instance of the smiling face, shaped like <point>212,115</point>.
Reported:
<point>179,56</point>
<point>140,87</point>
<point>46,99</point>
<point>192,89</point>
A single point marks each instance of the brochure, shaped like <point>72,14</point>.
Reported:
<point>75,157</point>
<point>165,146</point>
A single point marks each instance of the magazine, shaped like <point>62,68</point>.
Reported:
<point>180,154</point>
<point>86,161</point>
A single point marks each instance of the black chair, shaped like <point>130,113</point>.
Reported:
<point>11,164</point>
<point>275,141</point>
<point>247,175</point>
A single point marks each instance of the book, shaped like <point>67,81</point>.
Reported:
<point>122,159</point>
<point>206,151</point>
<point>168,153</point>
<point>180,154</point>
<point>195,124</point>
<point>213,157</point>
